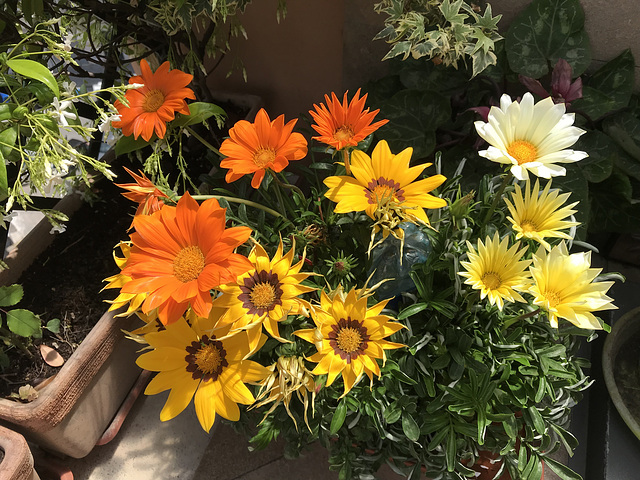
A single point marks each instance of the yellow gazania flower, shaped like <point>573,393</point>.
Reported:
<point>207,365</point>
<point>349,337</point>
<point>530,138</point>
<point>538,215</point>
<point>564,287</point>
<point>266,294</point>
<point>384,179</point>
<point>496,270</point>
<point>133,300</point>
<point>288,375</point>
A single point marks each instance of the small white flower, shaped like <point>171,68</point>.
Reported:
<point>60,228</point>
<point>59,111</point>
<point>105,125</point>
<point>134,86</point>
<point>530,137</point>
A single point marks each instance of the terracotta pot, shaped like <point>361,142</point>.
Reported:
<point>76,406</point>
<point>17,463</point>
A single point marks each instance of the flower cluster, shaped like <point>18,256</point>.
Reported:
<point>272,314</point>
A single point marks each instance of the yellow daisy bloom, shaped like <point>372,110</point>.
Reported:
<point>265,295</point>
<point>133,300</point>
<point>496,270</point>
<point>538,215</point>
<point>382,179</point>
<point>207,365</point>
<point>349,337</point>
<point>564,287</point>
<point>530,137</point>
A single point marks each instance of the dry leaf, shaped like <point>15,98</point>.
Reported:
<point>51,356</point>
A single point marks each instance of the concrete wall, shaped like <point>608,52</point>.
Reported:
<point>326,45</point>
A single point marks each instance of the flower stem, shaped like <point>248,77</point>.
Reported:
<point>345,157</point>
<point>507,178</point>
<point>237,200</point>
<point>511,321</point>
<point>287,185</point>
<point>203,141</point>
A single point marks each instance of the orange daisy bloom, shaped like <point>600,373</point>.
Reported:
<point>344,124</point>
<point>179,254</point>
<point>143,192</point>
<point>153,105</point>
<point>264,144</point>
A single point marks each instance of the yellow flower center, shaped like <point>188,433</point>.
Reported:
<point>348,339</point>
<point>523,151</point>
<point>208,359</point>
<point>188,264</point>
<point>343,133</point>
<point>263,295</point>
<point>264,156</point>
<point>153,100</point>
<point>491,280</point>
<point>553,298</point>
<point>529,226</point>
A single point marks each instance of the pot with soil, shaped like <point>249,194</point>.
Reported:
<point>16,461</point>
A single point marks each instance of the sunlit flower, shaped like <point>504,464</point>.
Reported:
<point>207,365</point>
<point>61,111</point>
<point>254,148</point>
<point>564,287</point>
<point>132,301</point>
<point>344,124</point>
<point>143,192</point>
<point>288,375</point>
<point>180,253</point>
<point>530,138</point>
<point>266,294</point>
<point>381,179</point>
<point>542,215</point>
<point>156,103</point>
<point>496,270</point>
<point>349,337</point>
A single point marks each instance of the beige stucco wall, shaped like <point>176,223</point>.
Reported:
<point>324,46</point>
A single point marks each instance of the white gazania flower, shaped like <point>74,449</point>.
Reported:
<point>564,287</point>
<point>530,137</point>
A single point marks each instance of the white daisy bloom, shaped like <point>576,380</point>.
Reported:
<point>532,137</point>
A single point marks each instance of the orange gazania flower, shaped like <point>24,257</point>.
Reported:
<point>153,105</point>
<point>143,192</point>
<point>264,144</point>
<point>344,124</point>
<point>179,254</point>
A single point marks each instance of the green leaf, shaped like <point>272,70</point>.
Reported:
<point>624,128</point>
<point>576,183</point>
<point>130,144</point>
<point>34,70</point>
<point>544,32</point>
<point>564,472</point>
<point>610,207</point>
<point>452,450</point>
<point>602,152</point>
<point>338,417</point>
<point>53,325</point>
<point>410,427</point>
<point>24,323</point>
<point>10,295</point>
<point>199,112</point>
<point>412,310</point>
<point>536,419</point>
<point>414,117</point>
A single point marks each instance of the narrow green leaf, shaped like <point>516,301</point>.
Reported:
<point>451,454</point>
<point>536,418</point>
<point>338,417</point>
<point>564,472</point>
<point>24,323</point>
<point>34,70</point>
<point>10,295</point>
<point>410,427</point>
<point>129,144</point>
<point>412,310</point>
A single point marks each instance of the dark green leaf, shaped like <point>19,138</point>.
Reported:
<point>199,112</point>
<point>412,310</point>
<point>564,472</point>
<point>10,295</point>
<point>129,144</point>
<point>338,417</point>
<point>602,155</point>
<point>24,323</point>
<point>410,427</point>
<point>544,32</point>
<point>624,128</point>
<point>536,419</point>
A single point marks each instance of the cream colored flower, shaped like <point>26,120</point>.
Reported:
<point>496,270</point>
<point>564,287</point>
<point>538,215</point>
<point>530,137</point>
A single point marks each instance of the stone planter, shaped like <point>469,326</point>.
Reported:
<point>621,370</point>
<point>17,461</point>
<point>75,407</point>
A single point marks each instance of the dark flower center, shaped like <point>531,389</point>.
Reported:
<point>261,292</point>
<point>206,359</point>
<point>348,338</point>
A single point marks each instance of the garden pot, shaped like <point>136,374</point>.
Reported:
<point>17,461</point>
<point>621,368</point>
<point>75,406</point>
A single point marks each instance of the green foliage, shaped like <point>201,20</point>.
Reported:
<point>446,32</point>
